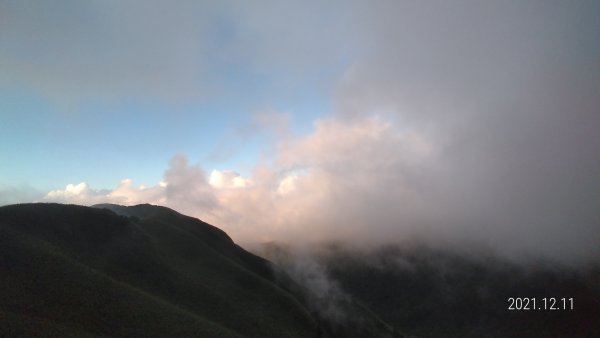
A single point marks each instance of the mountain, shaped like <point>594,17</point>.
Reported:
<point>435,292</point>
<point>145,270</point>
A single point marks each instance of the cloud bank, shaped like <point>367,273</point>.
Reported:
<point>455,121</point>
<point>368,181</point>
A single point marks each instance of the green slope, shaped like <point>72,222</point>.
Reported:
<point>78,271</point>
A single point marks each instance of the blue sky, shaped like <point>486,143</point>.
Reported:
<point>100,143</point>
<point>457,120</point>
<point>65,120</point>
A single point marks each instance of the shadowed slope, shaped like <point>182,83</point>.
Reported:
<point>77,271</point>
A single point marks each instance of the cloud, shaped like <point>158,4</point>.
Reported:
<point>227,179</point>
<point>304,194</point>
<point>71,190</point>
<point>371,180</point>
<point>287,185</point>
<point>333,183</point>
<point>326,185</point>
<point>507,95</point>
<point>187,187</point>
<point>184,188</point>
<point>459,122</point>
<point>125,193</point>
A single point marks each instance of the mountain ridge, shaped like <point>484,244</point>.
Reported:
<point>111,270</point>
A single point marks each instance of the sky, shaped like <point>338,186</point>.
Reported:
<point>460,122</point>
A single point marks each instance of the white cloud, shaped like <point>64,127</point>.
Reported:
<point>227,179</point>
<point>69,191</point>
<point>125,193</point>
<point>187,188</point>
<point>370,179</point>
<point>287,185</point>
<point>330,184</point>
<point>315,184</point>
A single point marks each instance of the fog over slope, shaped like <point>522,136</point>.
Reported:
<point>464,123</point>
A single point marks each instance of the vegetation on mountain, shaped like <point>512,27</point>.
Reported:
<point>78,271</point>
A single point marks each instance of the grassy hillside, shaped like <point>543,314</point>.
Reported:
<point>79,271</point>
<point>145,270</point>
